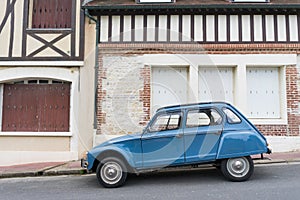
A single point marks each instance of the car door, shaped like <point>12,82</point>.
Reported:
<point>202,132</point>
<point>162,142</point>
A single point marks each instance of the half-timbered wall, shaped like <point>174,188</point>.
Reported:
<point>41,30</point>
<point>233,28</point>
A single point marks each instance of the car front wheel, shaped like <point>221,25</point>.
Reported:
<point>237,169</point>
<point>111,172</point>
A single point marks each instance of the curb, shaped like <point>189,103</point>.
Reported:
<point>44,173</point>
<point>275,161</point>
<point>55,170</point>
<point>65,172</point>
<point>59,170</point>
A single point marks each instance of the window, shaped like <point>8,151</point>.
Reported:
<point>51,13</point>
<point>166,91</point>
<point>207,117</point>
<point>263,92</point>
<point>216,84</point>
<point>232,118</point>
<point>166,122</point>
<point>34,106</point>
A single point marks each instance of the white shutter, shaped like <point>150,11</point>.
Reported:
<point>115,29</point>
<point>216,84</point>
<point>263,94</point>
<point>127,28</point>
<point>169,86</point>
<point>104,29</point>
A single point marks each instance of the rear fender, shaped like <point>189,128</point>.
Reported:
<point>237,144</point>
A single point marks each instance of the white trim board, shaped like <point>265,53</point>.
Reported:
<point>42,63</point>
<point>37,134</point>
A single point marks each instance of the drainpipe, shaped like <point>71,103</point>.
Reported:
<point>96,65</point>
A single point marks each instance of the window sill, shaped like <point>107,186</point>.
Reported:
<point>269,121</point>
<point>48,30</point>
<point>37,134</point>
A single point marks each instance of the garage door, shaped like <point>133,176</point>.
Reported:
<point>169,86</point>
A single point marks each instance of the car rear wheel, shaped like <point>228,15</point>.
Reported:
<point>237,169</point>
<point>111,172</point>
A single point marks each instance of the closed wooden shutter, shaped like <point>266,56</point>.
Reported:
<point>263,92</point>
<point>216,84</point>
<point>36,108</point>
<point>51,13</point>
<point>169,86</point>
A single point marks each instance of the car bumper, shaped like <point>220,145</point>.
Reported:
<point>84,163</point>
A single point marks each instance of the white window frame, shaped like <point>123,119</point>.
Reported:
<point>29,133</point>
<point>282,98</point>
<point>11,74</point>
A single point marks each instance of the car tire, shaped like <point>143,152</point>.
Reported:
<point>237,169</point>
<point>111,172</point>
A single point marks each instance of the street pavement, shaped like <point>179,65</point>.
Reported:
<point>73,167</point>
<point>269,182</point>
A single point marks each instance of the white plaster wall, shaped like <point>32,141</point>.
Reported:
<point>87,92</point>
<point>24,157</point>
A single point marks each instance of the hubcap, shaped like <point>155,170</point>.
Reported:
<point>111,173</point>
<point>238,167</point>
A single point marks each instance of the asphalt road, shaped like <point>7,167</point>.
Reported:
<point>268,182</point>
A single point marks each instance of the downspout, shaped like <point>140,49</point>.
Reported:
<point>86,12</point>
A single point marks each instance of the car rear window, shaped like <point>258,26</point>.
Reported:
<point>232,118</point>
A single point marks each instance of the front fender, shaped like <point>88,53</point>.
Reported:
<point>112,150</point>
<point>237,144</point>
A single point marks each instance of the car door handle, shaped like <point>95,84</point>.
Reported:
<point>179,135</point>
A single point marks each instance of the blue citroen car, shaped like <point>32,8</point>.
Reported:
<point>183,135</point>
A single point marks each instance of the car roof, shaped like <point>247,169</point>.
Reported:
<point>191,105</point>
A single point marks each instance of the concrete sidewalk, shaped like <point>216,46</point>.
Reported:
<point>42,169</point>
<point>73,167</point>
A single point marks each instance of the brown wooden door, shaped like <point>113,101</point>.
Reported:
<point>36,107</point>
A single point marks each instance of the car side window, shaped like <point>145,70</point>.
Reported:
<point>166,122</point>
<point>232,118</point>
<point>203,117</point>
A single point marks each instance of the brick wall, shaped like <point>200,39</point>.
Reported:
<point>124,92</point>
<point>293,99</point>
